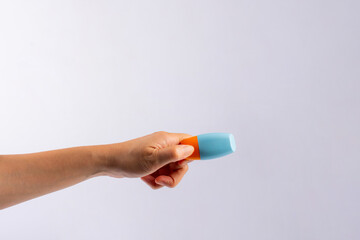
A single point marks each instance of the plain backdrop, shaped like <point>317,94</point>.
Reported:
<point>282,76</point>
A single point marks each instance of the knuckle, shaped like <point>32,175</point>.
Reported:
<point>161,133</point>
<point>157,132</point>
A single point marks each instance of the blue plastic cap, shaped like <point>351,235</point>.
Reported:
<point>214,145</point>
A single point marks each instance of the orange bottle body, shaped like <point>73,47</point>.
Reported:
<point>193,141</point>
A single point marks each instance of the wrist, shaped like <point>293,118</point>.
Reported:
<point>99,160</point>
<point>107,159</point>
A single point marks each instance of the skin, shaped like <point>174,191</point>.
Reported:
<point>157,159</point>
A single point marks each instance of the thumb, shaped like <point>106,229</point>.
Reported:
<point>174,153</point>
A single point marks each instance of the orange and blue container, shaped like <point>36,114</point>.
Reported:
<point>210,145</point>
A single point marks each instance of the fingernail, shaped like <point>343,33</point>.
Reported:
<point>162,183</point>
<point>187,149</point>
<point>159,182</point>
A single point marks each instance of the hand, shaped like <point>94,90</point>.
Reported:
<point>157,158</point>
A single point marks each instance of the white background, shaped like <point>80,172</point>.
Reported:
<point>282,76</point>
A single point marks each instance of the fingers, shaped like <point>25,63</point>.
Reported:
<point>174,153</point>
<point>150,180</point>
<point>173,179</point>
<point>172,138</point>
<point>169,176</point>
<point>164,157</point>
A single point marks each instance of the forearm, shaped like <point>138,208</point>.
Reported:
<point>27,176</point>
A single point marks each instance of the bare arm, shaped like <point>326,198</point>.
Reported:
<point>154,158</point>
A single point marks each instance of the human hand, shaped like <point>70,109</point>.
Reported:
<point>157,158</point>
